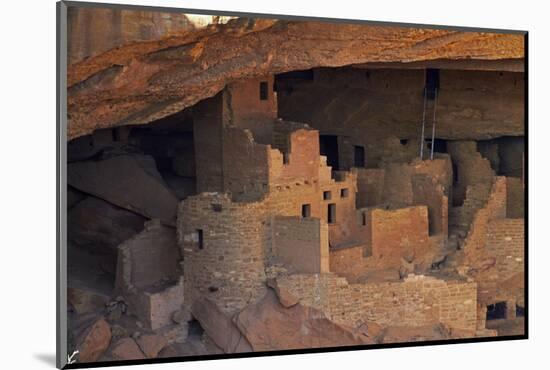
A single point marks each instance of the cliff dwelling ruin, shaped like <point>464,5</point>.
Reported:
<point>224,192</point>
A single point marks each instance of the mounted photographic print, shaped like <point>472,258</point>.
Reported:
<point>239,184</point>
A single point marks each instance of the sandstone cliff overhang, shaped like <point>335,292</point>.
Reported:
<point>139,80</point>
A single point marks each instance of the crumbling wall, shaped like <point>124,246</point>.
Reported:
<point>495,208</point>
<point>149,258</point>
<point>494,252</point>
<point>149,275</point>
<point>223,244</point>
<point>156,307</point>
<point>472,168</point>
<point>301,243</point>
<point>302,160</point>
<point>417,301</point>
<point>419,182</point>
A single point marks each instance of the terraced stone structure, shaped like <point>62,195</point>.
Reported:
<point>233,180</point>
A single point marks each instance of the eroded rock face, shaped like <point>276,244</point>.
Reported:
<point>128,181</point>
<point>269,326</point>
<point>137,80</point>
<point>93,340</point>
<point>86,300</point>
<point>99,226</point>
<point>151,345</point>
<point>126,349</point>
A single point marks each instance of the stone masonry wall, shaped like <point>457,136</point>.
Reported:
<point>495,208</point>
<point>247,111</point>
<point>347,261</point>
<point>472,168</point>
<point>229,265</point>
<point>370,186</point>
<point>245,165</point>
<point>399,233</point>
<point>506,243</point>
<point>417,301</point>
<point>301,243</point>
<point>426,191</point>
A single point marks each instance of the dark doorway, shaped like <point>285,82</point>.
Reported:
<point>520,311</point>
<point>432,82</point>
<point>331,213</point>
<point>328,146</point>
<point>358,156</point>
<point>306,210</point>
<point>263,90</point>
<point>496,311</point>
<point>455,173</point>
<point>440,146</point>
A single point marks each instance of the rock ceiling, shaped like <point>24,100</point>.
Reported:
<point>138,76</point>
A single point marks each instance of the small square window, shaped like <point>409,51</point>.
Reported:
<point>327,195</point>
<point>344,193</point>
<point>306,210</point>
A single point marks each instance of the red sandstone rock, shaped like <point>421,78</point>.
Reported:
<point>93,341</point>
<point>126,349</point>
<point>219,327</point>
<point>151,345</point>
<point>98,226</point>
<point>123,181</point>
<point>86,300</point>
<point>270,326</point>
<point>286,298</point>
<point>170,72</point>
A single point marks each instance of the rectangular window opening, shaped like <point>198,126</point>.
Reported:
<point>432,82</point>
<point>327,195</point>
<point>331,213</point>
<point>263,90</point>
<point>344,193</point>
<point>496,311</point>
<point>364,219</point>
<point>359,156</point>
<point>200,238</point>
<point>306,210</point>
